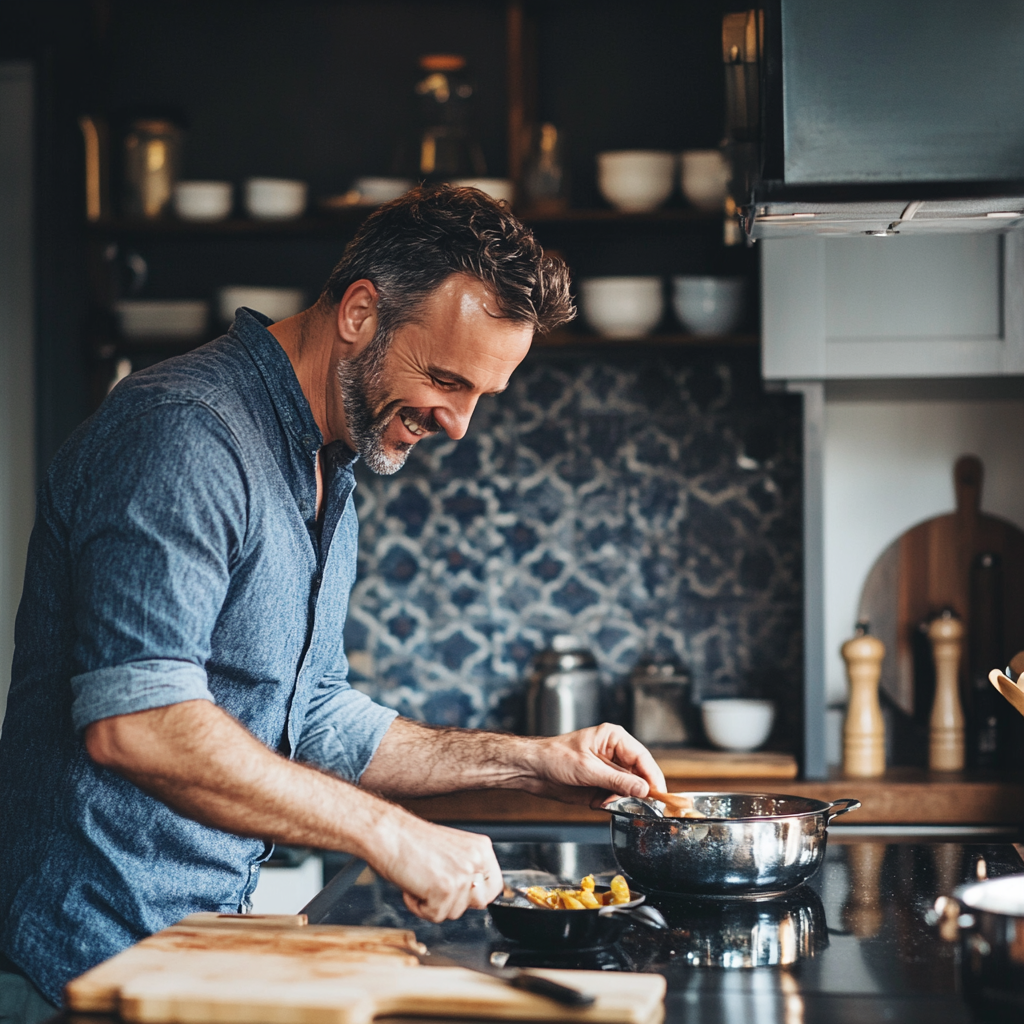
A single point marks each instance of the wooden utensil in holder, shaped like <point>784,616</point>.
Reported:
<point>946,727</point>
<point>864,731</point>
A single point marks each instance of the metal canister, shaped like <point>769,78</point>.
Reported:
<point>564,690</point>
<point>663,711</point>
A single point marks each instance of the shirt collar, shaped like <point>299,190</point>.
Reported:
<point>279,377</point>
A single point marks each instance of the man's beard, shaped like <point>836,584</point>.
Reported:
<point>368,412</point>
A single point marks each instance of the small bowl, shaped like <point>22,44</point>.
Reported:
<point>374,191</point>
<point>180,319</point>
<point>709,305</point>
<point>704,178</point>
<point>636,180</point>
<point>622,307</point>
<point>277,303</point>
<point>275,198</point>
<point>497,188</point>
<point>738,725</point>
<point>202,200</point>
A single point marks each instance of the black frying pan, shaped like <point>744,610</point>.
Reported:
<point>539,928</point>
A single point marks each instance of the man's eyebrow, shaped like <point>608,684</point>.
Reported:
<point>457,378</point>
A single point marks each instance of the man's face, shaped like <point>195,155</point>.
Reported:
<point>431,375</point>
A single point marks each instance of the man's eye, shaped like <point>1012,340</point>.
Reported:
<point>444,383</point>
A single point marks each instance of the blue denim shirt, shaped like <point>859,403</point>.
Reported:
<point>176,555</point>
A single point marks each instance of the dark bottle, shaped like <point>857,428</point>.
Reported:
<point>986,651</point>
<point>446,142</point>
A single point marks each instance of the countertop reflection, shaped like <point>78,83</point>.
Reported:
<point>852,945</point>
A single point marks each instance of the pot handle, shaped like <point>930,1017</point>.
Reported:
<point>845,805</point>
<point>649,916</point>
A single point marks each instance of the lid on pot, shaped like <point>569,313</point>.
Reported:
<point>659,668</point>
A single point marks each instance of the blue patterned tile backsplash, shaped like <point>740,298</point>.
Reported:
<point>642,500</point>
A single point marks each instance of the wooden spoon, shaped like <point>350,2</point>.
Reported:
<point>1009,689</point>
<point>677,806</point>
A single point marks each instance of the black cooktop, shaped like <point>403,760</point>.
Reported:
<point>852,945</point>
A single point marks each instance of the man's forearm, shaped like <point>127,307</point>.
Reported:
<point>207,767</point>
<point>418,760</point>
<point>580,767</point>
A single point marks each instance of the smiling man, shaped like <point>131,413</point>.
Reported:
<point>179,699</point>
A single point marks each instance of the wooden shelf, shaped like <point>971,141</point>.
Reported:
<point>903,796</point>
<point>345,221</point>
<point>574,339</point>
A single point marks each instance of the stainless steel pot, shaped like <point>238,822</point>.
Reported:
<point>988,920</point>
<point>749,844</point>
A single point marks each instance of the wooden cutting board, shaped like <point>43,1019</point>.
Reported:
<point>928,568</point>
<point>686,764</point>
<point>222,971</point>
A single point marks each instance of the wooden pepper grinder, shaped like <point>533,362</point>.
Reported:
<point>946,728</point>
<point>864,731</point>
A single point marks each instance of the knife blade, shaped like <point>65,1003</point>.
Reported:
<point>516,977</point>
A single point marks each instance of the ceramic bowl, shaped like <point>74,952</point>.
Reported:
<point>162,318</point>
<point>374,191</point>
<point>275,198</point>
<point>704,178</point>
<point>622,307</point>
<point>636,180</point>
<point>497,188</point>
<point>277,303</point>
<point>709,305</point>
<point>732,724</point>
<point>202,200</point>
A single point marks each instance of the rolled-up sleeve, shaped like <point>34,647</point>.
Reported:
<point>342,729</point>
<point>153,543</point>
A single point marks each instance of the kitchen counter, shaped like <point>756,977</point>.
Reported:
<point>854,946</point>
<point>904,796</point>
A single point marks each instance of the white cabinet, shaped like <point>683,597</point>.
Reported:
<point>895,307</point>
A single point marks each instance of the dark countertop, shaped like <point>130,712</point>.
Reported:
<point>860,948</point>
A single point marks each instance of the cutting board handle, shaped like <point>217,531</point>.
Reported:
<point>968,474</point>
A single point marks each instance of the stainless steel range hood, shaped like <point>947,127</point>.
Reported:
<point>869,117</point>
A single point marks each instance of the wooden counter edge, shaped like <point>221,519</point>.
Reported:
<point>885,801</point>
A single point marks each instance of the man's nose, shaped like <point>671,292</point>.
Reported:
<point>454,418</point>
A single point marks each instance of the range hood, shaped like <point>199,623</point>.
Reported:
<point>873,118</point>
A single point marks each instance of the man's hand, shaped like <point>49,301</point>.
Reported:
<point>592,764</point>
<point>441,871</point>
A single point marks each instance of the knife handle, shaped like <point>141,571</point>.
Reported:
<point>550,989</point>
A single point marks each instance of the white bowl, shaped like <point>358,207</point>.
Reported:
<point>162,318</point>
<point>737,724</point>
<point>277,303</point>
<point>709,305</point>
<point>202,200</point>
<point>704,178</point>
<point>497,188</point>
<point>636,180</point>
<point>374,191</point>
<point>622,307</point>
<point>275,198</point>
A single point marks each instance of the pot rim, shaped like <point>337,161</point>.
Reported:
<point>822,807</point>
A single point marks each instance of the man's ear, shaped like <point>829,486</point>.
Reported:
<point>357,314</point>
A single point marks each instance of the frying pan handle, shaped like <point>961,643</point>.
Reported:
<point>845,805</point>
<point>649,916</point>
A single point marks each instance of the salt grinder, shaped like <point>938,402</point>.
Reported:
<point>946,727</point>
<point>864,731</point>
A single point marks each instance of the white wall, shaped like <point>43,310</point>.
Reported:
<point>17,415</point>
<point>889,465</point>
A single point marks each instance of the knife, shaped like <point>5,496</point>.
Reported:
<point>525,980</point>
